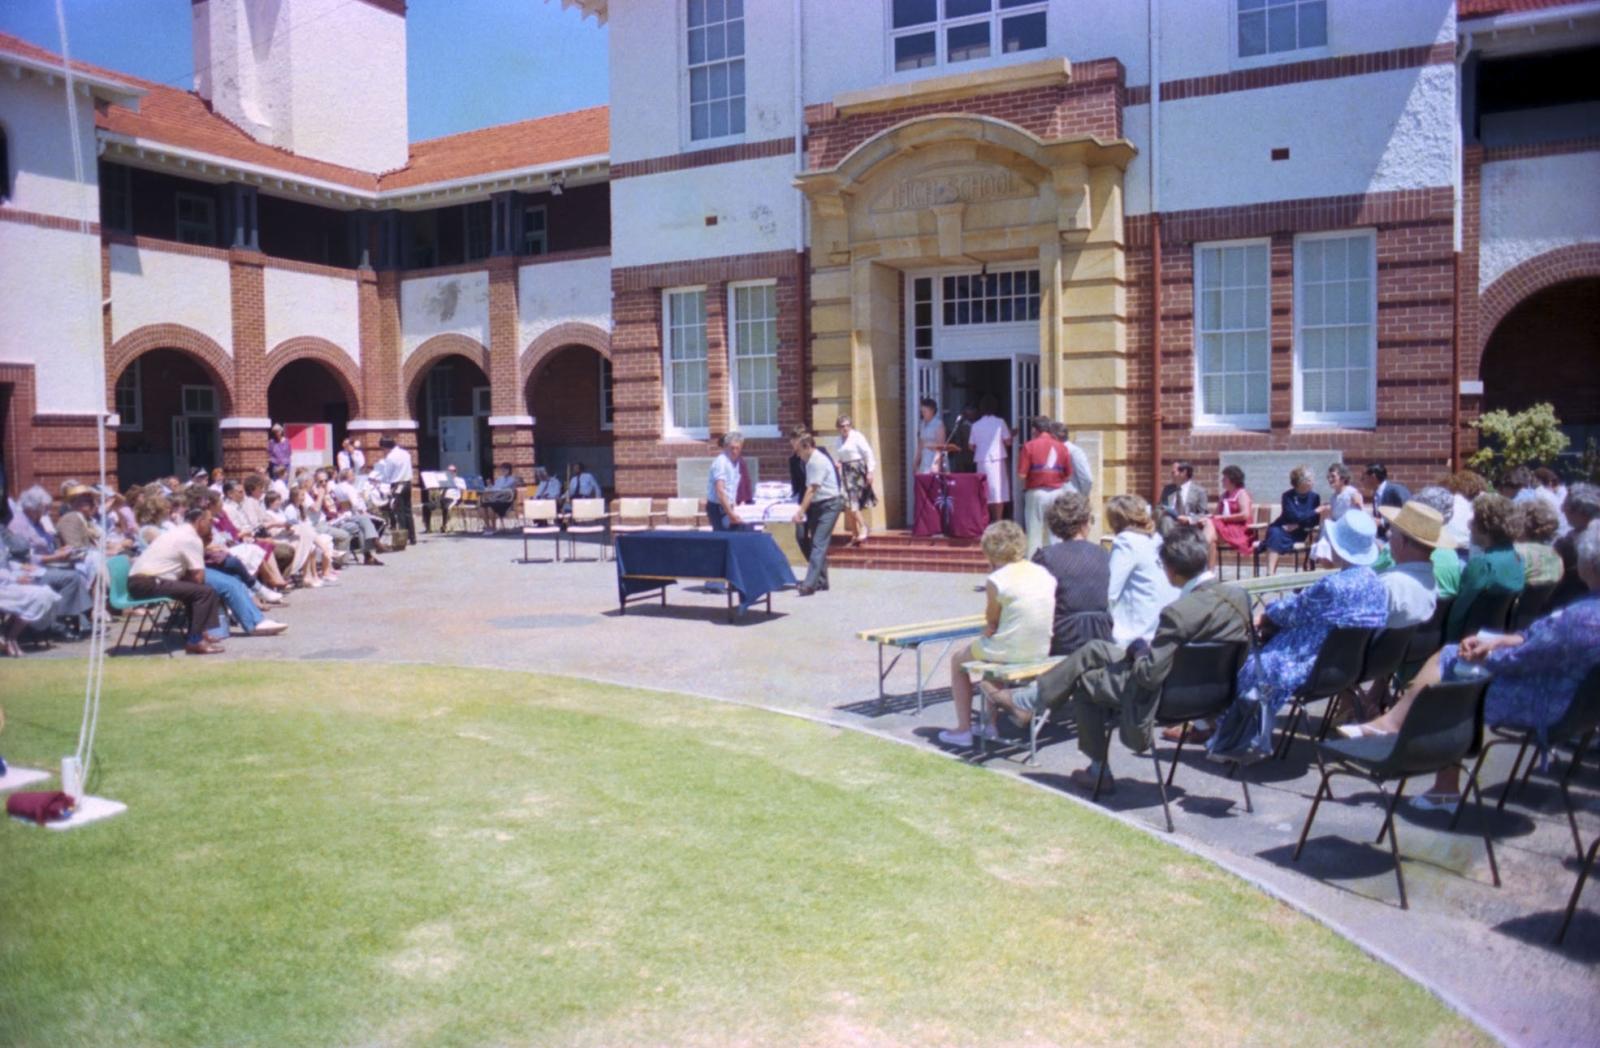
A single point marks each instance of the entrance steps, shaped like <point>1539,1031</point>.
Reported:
<point>903,551</point>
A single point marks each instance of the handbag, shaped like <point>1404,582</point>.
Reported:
<point>41,806</point>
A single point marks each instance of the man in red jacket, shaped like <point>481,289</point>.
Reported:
<point>1044,467</point>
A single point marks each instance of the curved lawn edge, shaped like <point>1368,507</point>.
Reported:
<point>1220,858</point>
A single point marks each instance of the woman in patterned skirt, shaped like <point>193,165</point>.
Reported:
<point>857,468</point>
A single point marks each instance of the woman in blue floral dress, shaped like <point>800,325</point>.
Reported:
<point>1534,676</point>
<point>1353,596</point>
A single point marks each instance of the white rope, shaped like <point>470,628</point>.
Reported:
<point>98,622</point>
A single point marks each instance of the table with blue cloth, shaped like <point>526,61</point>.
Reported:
<point>749,562</point>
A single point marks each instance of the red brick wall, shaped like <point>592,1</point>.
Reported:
<point>1091,104</point>
<point>17,391</point>
<point>645,463</point>
<point>1548,349</point>
<point>1415,319</point>
<point>564,398</point>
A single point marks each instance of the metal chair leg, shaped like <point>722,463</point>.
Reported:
<point>1566,796</point>
<point>1483,816</point>
<point>1472,779</point>
<point>1394,803</point>
<point>1577,889</point>
<point>1183,736</point>
<point>1316,802</point>
<point>1162,786</point>
<point>1394,841</point>
<point>1105,764</point>
<point>1511,780</point>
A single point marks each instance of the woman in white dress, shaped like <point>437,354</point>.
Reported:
<point>1346,497</point>
<point>23,603</point>
<point>930,438</point>
<point>1139,586</point>
<point>991,440</point>
<point>857,467</point>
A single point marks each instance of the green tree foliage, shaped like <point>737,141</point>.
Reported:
<point>1530,437</point>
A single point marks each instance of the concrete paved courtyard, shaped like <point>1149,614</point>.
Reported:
<point>463,600</point>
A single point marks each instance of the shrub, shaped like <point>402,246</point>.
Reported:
<point>1530,437</point>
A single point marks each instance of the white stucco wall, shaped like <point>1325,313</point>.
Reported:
<point>649,85</point>
<point>1536,205</point>
<point>34,118</point>
<point>50,302</point>
<point>662,218</point>
<point>431,306</point>
<point>563,292</point>
<point>846,45</point>
<point>161,287</point>
<point>312,304</point>
<point>1374,133</point>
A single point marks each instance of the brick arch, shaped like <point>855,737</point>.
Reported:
<point>1526,278</point>
<point>571,333</point>
<point>436,349</point>
<point>136,343</point>
<point>335,359</point>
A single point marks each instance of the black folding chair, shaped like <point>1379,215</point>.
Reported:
<point>1531,604</point>
<point>1338,667</point>
<point>1441,730</point>
<point>1490,611</point>
<point>1385,651</point>
<point>1200,685</point>
<point>1579,722</point>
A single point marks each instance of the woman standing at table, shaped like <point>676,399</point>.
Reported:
<point>856,468</point>
<point>991,439</point>
<point>930,438</point>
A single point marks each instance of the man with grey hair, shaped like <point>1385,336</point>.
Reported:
<point>722,492</point>
<point>1581,507</point>
<point>1082,479</point>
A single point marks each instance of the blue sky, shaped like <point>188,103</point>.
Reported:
<point>470,63</point>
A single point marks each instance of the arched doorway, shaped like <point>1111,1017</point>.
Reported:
<point>1547,349</point>
<point>569,396</point>
<point>309,391</point>
<point>170,403</point>
<point>450,401</point>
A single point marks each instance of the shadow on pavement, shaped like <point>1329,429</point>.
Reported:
<point>1582,942</point>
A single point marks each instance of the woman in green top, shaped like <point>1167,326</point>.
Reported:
<point>1494,569</point>
<point>1537,524</point>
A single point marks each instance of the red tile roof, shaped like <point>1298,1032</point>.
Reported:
<point>505,147</point>
<point>1489,8</point>
<point>172,117</point>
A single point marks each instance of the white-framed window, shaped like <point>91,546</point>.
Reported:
<point>197,219</point>
<point>130,399</point>
<point>1232,329</point>
<point>716,69</point>
<point>1269,27</point>
<point>753,357</point>
<point>927,33</point>
<point>608,407</point>
<point>684,369</point>
<point>1002,297</point>
<point>1335,329</point>
<point>200,401</point>
<point>535,230</point>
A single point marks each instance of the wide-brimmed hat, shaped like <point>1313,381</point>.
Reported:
<point>1420,522</point>
<point>1354,537</point>
<point>78,491</point>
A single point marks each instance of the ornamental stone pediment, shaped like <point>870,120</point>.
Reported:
<point>951,184</point>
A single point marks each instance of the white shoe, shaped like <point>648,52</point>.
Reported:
<point>1428,802</point>
<point>268,628</point>
<point>986,731</point>
<point>956,738</point>
<point>268,596</point>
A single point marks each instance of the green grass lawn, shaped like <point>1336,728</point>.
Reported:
<point>338,854</point>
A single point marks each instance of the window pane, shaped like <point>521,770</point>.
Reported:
<point>1311,350</point>
<point>699,122</point>
<point>736,79</point>
<point>716,49</point>
<point>1233,352</point>
<point>1255,270</point>
<point>719,119</point>
<point>1255,311</point>
<point>1210,268</point>
<point>697,46</point>
<point>1233,266</point>
<point>915,51</point>
<point>1252,34</point>
<point>1280,29</point>
<point>735,8</point>
<point>1211,395</point>
<point>963,43</point>
<point>1360,395</point>
<point>1256,351</point>
<point>1257,402</point>
<point>1022,33</point>
<point>1311,304</point>
<point>715,11</point>
<point>958,8</point>
<point>735,39</point>
<point>1311,392</point>
<point>699,84</point>
<point>914,12</point>
<point>1314,24</point>
<point>1311,259</point>
<point>719,81</point>
<point>1234,399</point>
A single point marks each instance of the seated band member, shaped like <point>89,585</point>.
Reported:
<point>174,565</point>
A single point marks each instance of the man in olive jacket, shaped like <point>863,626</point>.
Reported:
<point>1102,680</point>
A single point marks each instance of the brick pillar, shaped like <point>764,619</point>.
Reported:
<point>378,298</point>
<point>244,430</point>
<point>511,427</point>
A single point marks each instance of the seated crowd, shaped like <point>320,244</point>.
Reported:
<point>227,549</point>
<point>1114,618</point>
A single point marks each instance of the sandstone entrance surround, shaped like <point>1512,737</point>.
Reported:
<point>954,189</point>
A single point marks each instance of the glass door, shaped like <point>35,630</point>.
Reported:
<point>1024,406</point>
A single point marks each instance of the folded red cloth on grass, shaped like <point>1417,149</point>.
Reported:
<point>41,806</point>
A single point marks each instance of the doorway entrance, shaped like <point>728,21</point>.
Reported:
<point>451,406</point>
<point>169,403</point>
<point>974,340</point>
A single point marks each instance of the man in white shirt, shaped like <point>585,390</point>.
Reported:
<point>1082,479</point>
<point>1415,531</point>
<point>351,456</point>
<point>394,469</point>
<point>174,566</point>
<point>582,485</point>
<point>819,511</point>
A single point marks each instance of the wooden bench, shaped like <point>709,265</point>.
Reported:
<point>912,638</point>
<point>1010,675</point>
